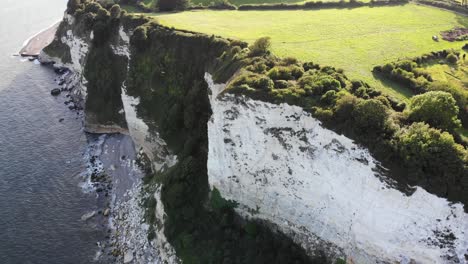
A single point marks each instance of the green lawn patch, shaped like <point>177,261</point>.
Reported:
<point>456,74</point>
<point>244,2</point>
<point>353,39</point>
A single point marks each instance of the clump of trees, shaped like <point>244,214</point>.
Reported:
<point>436,108</point>
<point>407,73</point>
<point>433,156</point>
<point>452,58</point>
<point>260,47</point>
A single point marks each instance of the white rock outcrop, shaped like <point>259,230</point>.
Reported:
<point>281,165</point>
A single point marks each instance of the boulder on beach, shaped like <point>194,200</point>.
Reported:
<point>60,70</point>
<point>55,92</point>
<point>128,257</point>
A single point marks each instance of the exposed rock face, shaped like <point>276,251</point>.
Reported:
<point>71,49</point>
<point>69,52</point>
<point>281,165</point>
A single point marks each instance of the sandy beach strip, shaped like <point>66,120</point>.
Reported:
<point>34,46</point>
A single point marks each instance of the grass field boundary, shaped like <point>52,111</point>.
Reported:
<point>321,5</point>
<point>309,5</point>
<point>444,5</point>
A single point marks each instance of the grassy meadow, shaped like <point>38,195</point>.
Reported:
<point>353,39</point>
<point>243,2</point>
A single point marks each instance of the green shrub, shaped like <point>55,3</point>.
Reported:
<point>340,261</point>
<point>72,6</point>
<point>103,15</point>
<point>324,115</point>
<point>344,107</point>
<point>219,203</point>
<point>370,116</point>
<point>310,66</point>
<point>258,67</point>
<point>115,11</point>
<point>436,108</point>
<point>139,37</point>
<point>289,61</point>
<point>356,84</point>
<point>92,8</point>
<point>460,95</point>
<point>318,84</point>
<point>260,47</point>
<point>329,98</point>
<point>388,68</point>
<point>281,84</point>
<point>264,83</point>
<point>430,152</point>
<point>452,58</point>
<point>384,100</point>
<point>252,80</point>
<point>291,72</point>
<point>406,65</point>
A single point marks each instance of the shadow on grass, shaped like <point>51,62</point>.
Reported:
<point>387,83</point>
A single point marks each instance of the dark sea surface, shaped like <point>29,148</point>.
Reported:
<point>41,159</point>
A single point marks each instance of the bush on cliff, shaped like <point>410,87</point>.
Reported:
<point>432,156</point>
<point>286,73</point>
<point>115,11</point>
<point>460,95</point>
<point>260,47</point>
<point>370,116</point>
<point>438,109</point>
<point>72,6</point>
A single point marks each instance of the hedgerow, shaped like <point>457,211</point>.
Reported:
<point>410,73</point>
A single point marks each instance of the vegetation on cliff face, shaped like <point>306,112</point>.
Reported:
<point>58,49</point>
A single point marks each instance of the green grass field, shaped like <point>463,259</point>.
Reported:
<point>353,39</point>
<point>238,2</point>
<point>243,2</point>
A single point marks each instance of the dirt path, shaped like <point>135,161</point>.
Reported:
<point>34,46</point>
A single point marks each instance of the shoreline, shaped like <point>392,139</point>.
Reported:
<point>113,175</point>
<point>33,46</point>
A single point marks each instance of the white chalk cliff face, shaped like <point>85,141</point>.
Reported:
<point>281,165</point>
